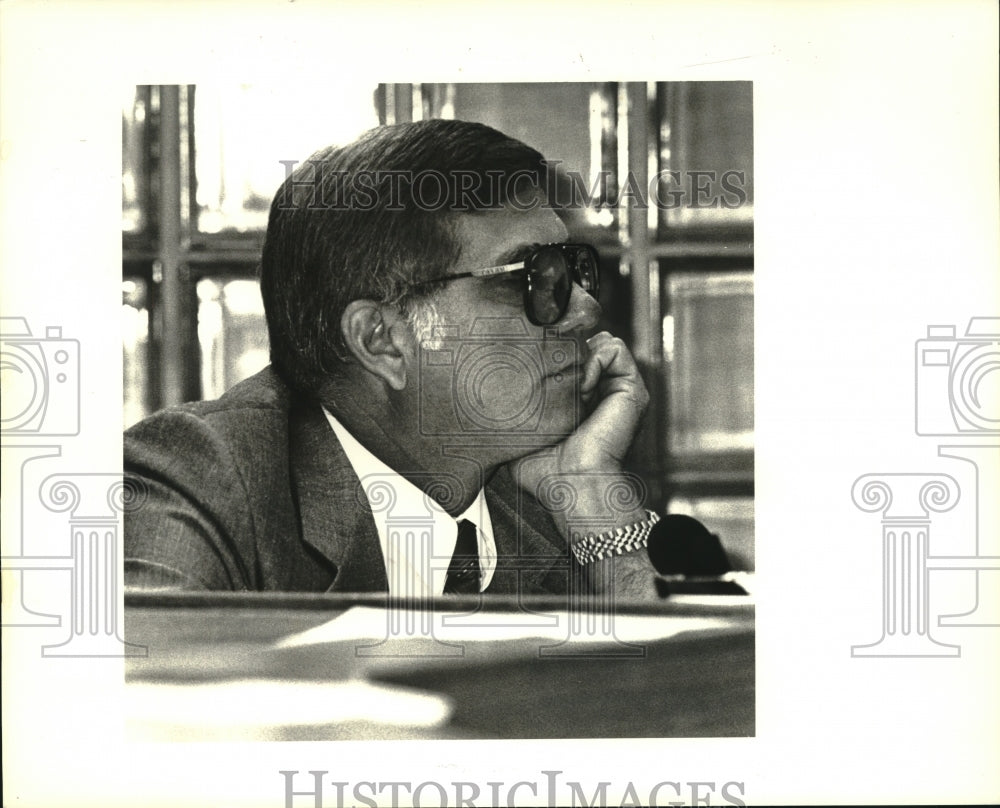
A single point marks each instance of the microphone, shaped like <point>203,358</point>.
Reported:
<point>683,548</point>
<point>681,545</point>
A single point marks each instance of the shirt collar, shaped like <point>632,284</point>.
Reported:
<point>390,494</point>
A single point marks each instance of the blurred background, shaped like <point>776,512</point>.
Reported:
<point>200,164</point>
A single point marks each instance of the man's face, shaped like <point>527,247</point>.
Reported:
<point>489,374</point>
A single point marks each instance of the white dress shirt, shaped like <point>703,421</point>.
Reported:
<point>416,534</point>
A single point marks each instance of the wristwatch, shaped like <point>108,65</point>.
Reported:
<point>596,546</point>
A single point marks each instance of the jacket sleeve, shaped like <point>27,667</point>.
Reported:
<point>189,524</point>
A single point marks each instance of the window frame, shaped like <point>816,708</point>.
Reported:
<point>170,255</point>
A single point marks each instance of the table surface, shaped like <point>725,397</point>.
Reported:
<point>696,683</point>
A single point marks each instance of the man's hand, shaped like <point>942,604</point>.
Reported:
<point>616,396</point>
<point>580,480</point>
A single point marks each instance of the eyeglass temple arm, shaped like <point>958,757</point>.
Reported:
<point>482,273</point>
<point>487,271</point>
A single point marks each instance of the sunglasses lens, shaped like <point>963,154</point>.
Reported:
<point>585,261</point>
<point>550,286</point>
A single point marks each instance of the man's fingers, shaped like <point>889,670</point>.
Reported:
<point>610,362</point>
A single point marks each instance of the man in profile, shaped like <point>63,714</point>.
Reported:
<point>437,417</point>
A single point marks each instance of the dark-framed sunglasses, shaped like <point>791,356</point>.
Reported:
<point>549,274</point>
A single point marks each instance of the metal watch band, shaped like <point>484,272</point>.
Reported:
<point>594,547</point>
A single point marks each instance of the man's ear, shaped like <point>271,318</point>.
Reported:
<point>379,338</point>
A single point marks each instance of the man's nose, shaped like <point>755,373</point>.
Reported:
<point>583,311</point>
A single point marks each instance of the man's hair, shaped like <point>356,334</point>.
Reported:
<point>370,219</point>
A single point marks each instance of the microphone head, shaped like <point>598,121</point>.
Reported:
<point>681,545</point>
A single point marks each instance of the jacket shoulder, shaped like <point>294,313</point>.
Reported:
<point>235,419</point>
<point>214,475</point>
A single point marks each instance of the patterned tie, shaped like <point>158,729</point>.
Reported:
<point>463,572</point>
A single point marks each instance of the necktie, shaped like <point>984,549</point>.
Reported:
<point>463,572</point>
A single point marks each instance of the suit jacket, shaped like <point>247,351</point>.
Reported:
<point>254,492</point>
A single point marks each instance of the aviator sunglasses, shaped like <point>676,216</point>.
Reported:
<point>549,274</point>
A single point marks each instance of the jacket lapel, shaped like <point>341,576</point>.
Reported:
<point>337,521</point>
<point>335,516</point>
<point>531,558</point>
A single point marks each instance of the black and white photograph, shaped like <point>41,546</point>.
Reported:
<point>480,406</point>
<point>420,422</point>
